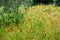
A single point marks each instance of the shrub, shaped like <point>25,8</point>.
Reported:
<point>6,19</point>
<point>58,2</point>
<point>42,1</point>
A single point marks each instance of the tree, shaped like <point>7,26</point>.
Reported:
<point>43,1</point>
<point>58,2</point>
<point>13,5</point>
<point>0,2</point>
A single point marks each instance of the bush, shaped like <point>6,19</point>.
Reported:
<point>0,2</point>
<point>7,19</point>
<point>42,1</point>
<point>58,2</point>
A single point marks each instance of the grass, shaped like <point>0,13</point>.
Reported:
<point>40,23</point>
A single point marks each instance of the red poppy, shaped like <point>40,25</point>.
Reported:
<point>10,30</point>
<point>2,23</point>
<point>30,31</point>
<point>21,30</point>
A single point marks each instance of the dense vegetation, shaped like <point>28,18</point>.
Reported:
<point>9,13</point>
<point>40,23</point>
<point>28,2</point>
<point>14,4</point>
<point>29,20</point>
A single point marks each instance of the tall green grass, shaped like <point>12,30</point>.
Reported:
<point>38,23</point>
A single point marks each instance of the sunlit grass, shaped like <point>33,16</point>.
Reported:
<point>40,23</point>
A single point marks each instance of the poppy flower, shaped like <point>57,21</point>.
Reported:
<point>10,30</point>
<point>2,23</point>
<point>30,31</point>
<point>21,30</point>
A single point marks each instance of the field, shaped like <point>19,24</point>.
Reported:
<point>40,23</point>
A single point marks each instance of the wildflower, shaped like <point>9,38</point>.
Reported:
<point>18,25</point>
<point>21,30</point>
<point>25,22</point>
<point>52,22</point>
<point>10,30</point>
<point>43,19</point>
<point>29,38</point>
<point>30,31</point>
<point>29,18</point>
<point>53,28</point>
<point>44,29</point>
<point>2,23</point>
<point>14,20</point>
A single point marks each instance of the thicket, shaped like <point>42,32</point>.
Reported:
<point>9,14</point>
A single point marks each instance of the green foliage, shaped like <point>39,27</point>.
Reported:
<point>40,23</point>
<point>43,1</point>
<point>10,14</point>
<point>14,4</point>
<point>0,2</point>
<point>58,2</point>
<point>7,19</point>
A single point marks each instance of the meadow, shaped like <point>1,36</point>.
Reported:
<point>40,22</point>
